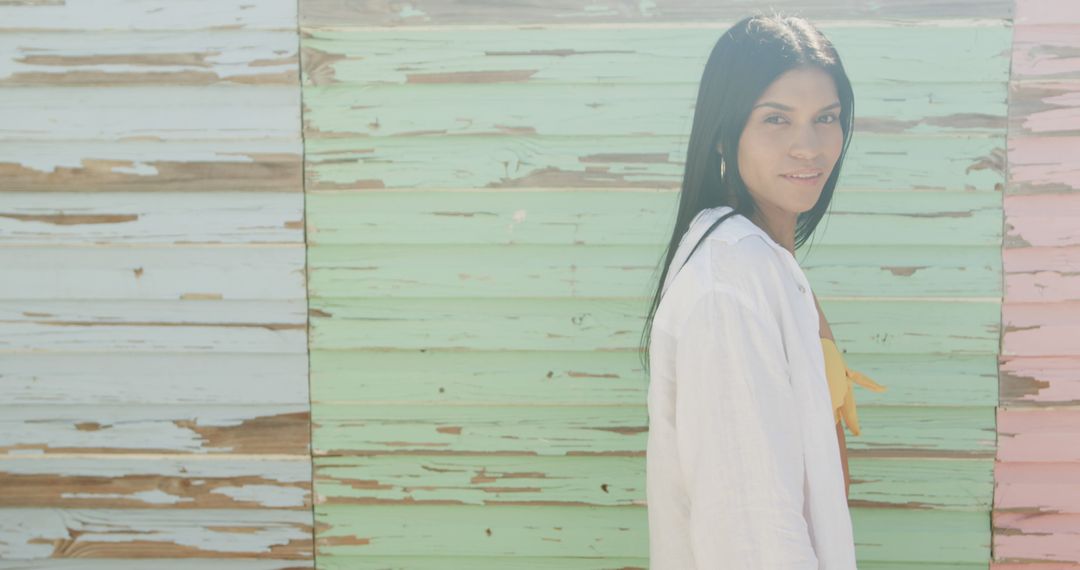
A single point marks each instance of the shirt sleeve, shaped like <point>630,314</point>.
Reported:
<point>739,445</point>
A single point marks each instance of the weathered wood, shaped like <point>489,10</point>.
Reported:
<point>271,165</point>
<point>890,431</point>
<point>443,13</point>
<point>156,563</point>
<point>644,162</point>
<point>907,483</point>
<point>553,270</point>
<point>572,377</point>
<point>83,15</point>
<point>153,326</point>
<point>595,109</point>
<point>1040,329</point>
<point>978,52</point>
<point>138,379</point>
<point>1032,43</point>
<point>154,272</point>
<point>589,217</point>
<point>155,429</point>
<point>81,219</point>
<point>1038,381</point>
<point>104,58</point>
<point>511,530</point>
<point>1036,487</point>
<point>1046,435</point>
<point>155,482</point>
<point>209,115</point>
<point>877,325</point>
<point>155,533</point>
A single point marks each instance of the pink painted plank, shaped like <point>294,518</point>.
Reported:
<point>1036,205</point>
<point>1049,51</point>
<point>1049,220</point>
<point>1039,381</point>
<point>1047,164</point>
<point>1040,329</point>
<point>1039,434</point>
<point>1037,487</point>
<point>1043,107</point>
<point>1042,274</point>
<point>1033,12</point>
<point>1034,566</point>
<point>1023,537</point>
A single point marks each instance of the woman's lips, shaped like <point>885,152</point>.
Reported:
<point>810,181</point>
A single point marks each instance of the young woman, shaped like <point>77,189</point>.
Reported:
<point>744,466</point>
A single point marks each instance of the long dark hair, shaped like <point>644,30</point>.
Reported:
<point>750,55</point>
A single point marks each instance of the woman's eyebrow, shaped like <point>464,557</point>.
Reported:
<point>786,108</point>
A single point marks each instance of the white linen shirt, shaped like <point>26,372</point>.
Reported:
<point>743,466</point>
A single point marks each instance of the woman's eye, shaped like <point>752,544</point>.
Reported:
<point>770,118</point>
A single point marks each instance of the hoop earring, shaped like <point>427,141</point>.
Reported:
<point>723,170</point>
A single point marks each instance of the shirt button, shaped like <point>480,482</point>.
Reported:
<point>801,288</point>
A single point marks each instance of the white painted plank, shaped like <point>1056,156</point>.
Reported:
<point>267,165</point>
<point>137,379</point>
<point>154,563</point>
<point>80,219</point>
<point>160,58</point>
<point>43,533</point>
<point>150,113</point>
<point>155,272</point>
<point>273,430</point>
<point>155,482</point>
<point>149,15</point>
<point>277,326</point>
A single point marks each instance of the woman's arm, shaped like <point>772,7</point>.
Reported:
<point>826,332</point>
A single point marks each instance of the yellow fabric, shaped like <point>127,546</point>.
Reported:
<point>841,385</point>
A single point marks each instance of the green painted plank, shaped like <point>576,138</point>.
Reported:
<point>607,378</point>
<point>904,326</point>
<point>884,535</point>
<point>970,53</point>
<point>921,536</point>
<point>645,161</point>
<point>680,13</point>
<point>334,562</point>
<point>592,217</point>
<point>528,270</point>
<point>604,109</point>
<point>921,483</point>
<point>437,562</point>
<point>356,429</point>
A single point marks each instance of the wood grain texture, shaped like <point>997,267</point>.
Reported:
<point>76,219</point>
<point>592,217</point>
<point>441,13</point>
<point>193,15</point>
<point>154,409</point>
<point>501,382</point>
<point>155,533</point>
<point>605,378</point>
<point>1035,517</point>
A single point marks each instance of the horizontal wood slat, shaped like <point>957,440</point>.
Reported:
<point>572,377</point>
<point>155,481</point>
<point>597,217</point>
<point>890,431</point>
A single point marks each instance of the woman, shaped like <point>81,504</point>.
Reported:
<point>744,466</point>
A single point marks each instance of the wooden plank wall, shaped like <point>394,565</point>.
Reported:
<point>1036,519</point>
<point>154,409</point>
<point>488,190</point>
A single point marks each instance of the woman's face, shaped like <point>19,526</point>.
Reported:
<point>794,127</point>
